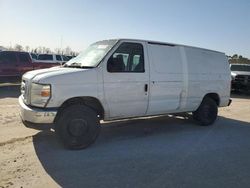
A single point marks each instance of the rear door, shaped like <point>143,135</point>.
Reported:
<point>126,78</point>
<point>25,63</point>
<point>167,80</point>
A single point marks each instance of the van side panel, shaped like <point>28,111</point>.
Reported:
<point>208,73</point>
<point>166,78</point>
<point>181,76</point>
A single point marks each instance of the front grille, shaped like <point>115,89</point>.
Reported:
<point>242,78</point>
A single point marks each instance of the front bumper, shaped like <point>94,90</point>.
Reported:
<point>36,115</point>
<point>240,85</point>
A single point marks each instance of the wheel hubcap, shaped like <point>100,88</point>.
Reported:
<point>78,127</point>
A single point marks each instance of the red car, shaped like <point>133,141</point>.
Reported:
<point>14,64</point>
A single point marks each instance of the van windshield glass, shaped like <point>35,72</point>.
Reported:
<point>92,56</point>
<point>240,68</point>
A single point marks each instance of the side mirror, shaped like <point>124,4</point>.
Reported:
<point>115,65</point>
<point>110,65</point>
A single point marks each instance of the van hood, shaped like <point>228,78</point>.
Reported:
<point>61,75</point>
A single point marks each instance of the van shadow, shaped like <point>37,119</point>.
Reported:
<point>10,91</point>
<point>136,153</point>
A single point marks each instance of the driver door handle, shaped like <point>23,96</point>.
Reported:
<point>146,87</point>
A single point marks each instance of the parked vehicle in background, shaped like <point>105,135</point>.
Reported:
<point>34,56</point>
<point>70,57</point>
<point>65,58</point>
<point>240,74</point>
<point>52,58</point>
<point>14,64</point>
<point>117,79</point>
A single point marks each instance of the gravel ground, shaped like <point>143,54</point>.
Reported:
<point>149,152</point>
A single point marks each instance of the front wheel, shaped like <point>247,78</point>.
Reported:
<point>207,112</point>
<point>77,126</point>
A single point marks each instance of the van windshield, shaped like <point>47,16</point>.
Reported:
<point>240,68</point>
<point>92,56</point>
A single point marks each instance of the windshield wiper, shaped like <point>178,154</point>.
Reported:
<point>78,65</point>
<point>75,64</point>
<point>87,67</point>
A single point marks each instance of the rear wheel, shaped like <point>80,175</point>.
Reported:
<point>207,112</point>
<point>78,126</point>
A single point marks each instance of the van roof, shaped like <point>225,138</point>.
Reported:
<point>169,44</point>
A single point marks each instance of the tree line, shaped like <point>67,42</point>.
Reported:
<point>44,50</point>
<point>239,59</point>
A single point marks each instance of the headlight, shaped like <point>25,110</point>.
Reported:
<point>40,94</point>
<point>233,75</point>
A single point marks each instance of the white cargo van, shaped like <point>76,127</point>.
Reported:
<point>116,79</point>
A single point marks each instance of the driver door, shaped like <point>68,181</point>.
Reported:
<point>126,79</point>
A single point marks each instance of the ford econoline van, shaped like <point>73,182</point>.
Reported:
<point>125,78</point>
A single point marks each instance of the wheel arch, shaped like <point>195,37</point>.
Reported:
<point>91,102</point>
<point>214,96</point>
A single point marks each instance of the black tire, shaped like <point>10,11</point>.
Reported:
<point>78,126</point>
<point>207,112</point>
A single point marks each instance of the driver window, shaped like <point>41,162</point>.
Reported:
<point>127,58</point>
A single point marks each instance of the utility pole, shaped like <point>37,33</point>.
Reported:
<point>61,43</point>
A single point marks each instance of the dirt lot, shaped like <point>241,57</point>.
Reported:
<point>152,152</point>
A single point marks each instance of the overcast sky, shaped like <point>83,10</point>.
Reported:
<point>222,25</point>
